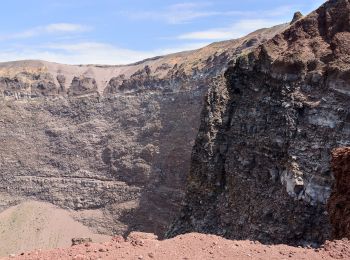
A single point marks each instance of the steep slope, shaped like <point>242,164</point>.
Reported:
<point>33,225</point>
<point>261,162</point>
<point>115,140</point>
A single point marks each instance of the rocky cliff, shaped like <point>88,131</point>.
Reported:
<point>339,202</point>
<point>261,162</point>
<point>112,143</point>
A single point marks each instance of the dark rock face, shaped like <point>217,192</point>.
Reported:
<point>61,79</point>
<point>82,85</point>
<point>339,202</point>
<point>260,167</point>
<point>41,85</point>
<point>10,87</point>
<point>114,85</point>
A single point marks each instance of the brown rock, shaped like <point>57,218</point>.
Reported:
<point>296,17</point>
<point>79,241</point>
<point>339,202</point>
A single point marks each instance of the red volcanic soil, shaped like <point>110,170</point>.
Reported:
<point>190,246</point>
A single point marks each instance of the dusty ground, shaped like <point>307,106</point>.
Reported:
<point>190,246</point>
<point>32,224</point>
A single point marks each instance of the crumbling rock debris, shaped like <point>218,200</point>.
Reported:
<point>339,202</point>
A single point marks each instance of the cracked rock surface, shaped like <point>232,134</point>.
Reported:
<point>339,202</point>
<point>261,162</point>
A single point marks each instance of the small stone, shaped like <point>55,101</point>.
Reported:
<point>79,241</point>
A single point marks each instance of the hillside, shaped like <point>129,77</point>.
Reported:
<point>31,78</point>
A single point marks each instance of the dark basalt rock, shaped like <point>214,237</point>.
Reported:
<point>260,166</point>
<point>339,202</point>
<point>61,79</point>
<point>82,86</point>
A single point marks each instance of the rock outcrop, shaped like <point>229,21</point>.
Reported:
<point>339,202</point>
<point>82,86</point>
<point>81,240</point>
<point>296,17</point>
<point>112,143</point>
<point>261,162</point>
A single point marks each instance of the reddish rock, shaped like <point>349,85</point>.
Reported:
<point>339,202</point>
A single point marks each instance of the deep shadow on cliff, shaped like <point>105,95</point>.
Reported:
<point>261,162</point>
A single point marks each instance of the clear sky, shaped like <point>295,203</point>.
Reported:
<point>124,31</point>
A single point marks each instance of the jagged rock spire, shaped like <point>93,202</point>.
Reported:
<point>296,17</point>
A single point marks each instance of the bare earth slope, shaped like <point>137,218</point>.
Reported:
<point>112,143</point>
<point>261,163</point>
<point>31,225</point>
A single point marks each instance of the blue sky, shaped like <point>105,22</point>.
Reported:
<point>124,31</point>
